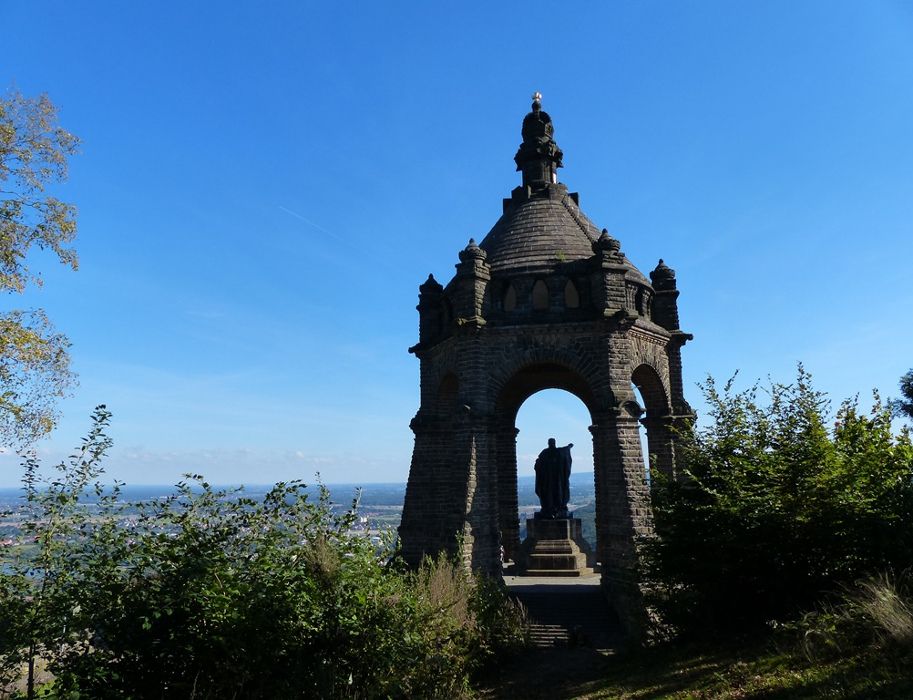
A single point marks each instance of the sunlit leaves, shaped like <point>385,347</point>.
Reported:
<point>34,367</point>
<point>33,153</point>
<point>34,372</point>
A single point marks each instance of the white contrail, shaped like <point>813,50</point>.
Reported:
<point>311,223</point>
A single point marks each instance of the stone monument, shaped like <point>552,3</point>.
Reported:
<point>553,480</point>
<point>554,544</point>
<point>546,300</point>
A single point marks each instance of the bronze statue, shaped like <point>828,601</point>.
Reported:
<point>553,474</point>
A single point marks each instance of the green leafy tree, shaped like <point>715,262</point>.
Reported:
<point>34,362</point>
<point>904,405</point>
<point>775,508</point>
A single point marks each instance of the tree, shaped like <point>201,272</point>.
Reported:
<point>34,362</point>
<point>776,510</point>
<point>904,405</point>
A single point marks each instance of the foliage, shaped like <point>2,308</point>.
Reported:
<point>774,509</point>
<point>34,372</point>
<point>34,365</point>
<point>904,405</point>
<point>873,613</point>
<point>211,594</point>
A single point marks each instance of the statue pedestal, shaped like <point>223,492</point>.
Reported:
<point>555,547</point>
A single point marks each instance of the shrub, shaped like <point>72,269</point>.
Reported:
<point>211,594</point>
<point>774,509</point>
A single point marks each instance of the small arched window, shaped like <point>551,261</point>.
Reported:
<point>540,296</point>
<point>571,295</point>
<point>510,298</point>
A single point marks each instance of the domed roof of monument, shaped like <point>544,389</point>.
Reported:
<point>540,232</point>
<point>542,225</point>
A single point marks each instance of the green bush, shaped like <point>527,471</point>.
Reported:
<point>774,508</point>
<point>210,594</point>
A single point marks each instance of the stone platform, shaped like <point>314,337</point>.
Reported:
<point>555,548</point>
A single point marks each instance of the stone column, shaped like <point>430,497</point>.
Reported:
<point>508,509</point>
<point>623,517</point>
<point>479,532</point>
<point>674,352</point>
<point>435,494</point>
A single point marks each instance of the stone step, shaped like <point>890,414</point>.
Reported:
<point>546,636</point>
<point>568,615</point>
<point>557,546</point>
<point>561,573</point>
<point>544,560</point>
<point>554,547</point>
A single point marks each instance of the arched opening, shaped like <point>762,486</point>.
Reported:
<point>559,414</point>
<point>571,295</point>
<point>646,456</point>
<point>541,401</point>
<point>510,298</point>
<point>656,436</point>
<point>540,296</point>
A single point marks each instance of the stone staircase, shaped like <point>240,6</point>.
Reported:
<point>555,547</point>
<point>572,614</point>
<point>558,557</point>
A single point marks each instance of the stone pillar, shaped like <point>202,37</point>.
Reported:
<point>608,279</point>
<point>508,508</point>
<point>432,516</point>
<point>623,517</point>
<point>430,308</point>
<point>472,277</point>
<point>680,407</point>
<point>480,533</point>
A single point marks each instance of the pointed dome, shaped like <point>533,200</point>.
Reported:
<point>542,225</point>
<point>540,232</point>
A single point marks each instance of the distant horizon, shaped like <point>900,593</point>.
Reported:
<point>576,475</point>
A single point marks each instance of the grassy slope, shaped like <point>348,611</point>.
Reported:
<point>750,671</point>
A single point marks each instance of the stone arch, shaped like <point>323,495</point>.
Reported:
<point>647,351</point>
<point>533,377</point>
<point>656,418</point>
<point>562,366</point>
<point>650,384</point>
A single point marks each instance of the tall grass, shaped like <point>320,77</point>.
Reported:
<point>876,612</point>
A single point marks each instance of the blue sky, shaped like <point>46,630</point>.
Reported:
<point>262,187</point>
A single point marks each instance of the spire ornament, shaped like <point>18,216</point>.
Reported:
<point>538,157</point>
